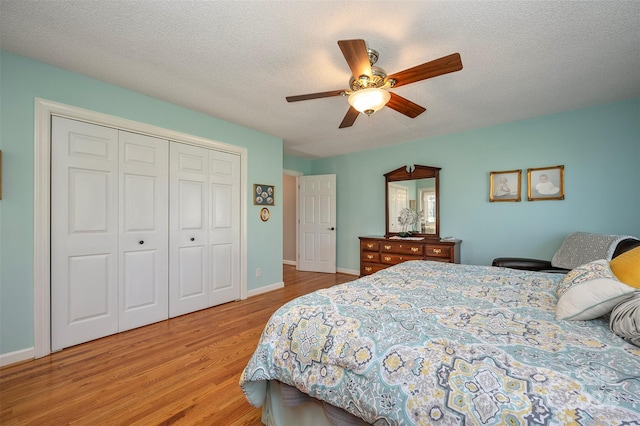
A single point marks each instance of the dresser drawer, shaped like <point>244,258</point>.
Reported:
<point>437,251</point>
<point>369,245</point>
<point>370,256</point>
<point>377,253</point>
<point>404,247</point>
<point>370,268</point>
<point>393,259</point>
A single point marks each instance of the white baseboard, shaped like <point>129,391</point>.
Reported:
<point>348,271</point>
<point>276,286</point>
<point>17,356</point>
<point>265,289</point>
<point>289,262</point>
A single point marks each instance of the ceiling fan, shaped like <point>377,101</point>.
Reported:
<point>369,84</point>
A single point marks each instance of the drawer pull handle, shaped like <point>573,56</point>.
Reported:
<point>401,258</point>
<point>415,249</point>
<point>368,268</point>
<point>437,251</point>
<point>369,245</point>
<point>387,258</point>
<point>369,256</point>
<point>387,247</point>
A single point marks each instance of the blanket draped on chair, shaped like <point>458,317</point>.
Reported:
<point>582,247</point>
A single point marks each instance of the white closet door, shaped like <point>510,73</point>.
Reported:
<point>84,232</point>
<point>224,227</point>
<point>188,229</point>
<point>144,235</point>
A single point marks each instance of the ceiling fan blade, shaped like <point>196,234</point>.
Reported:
<point>350,118</point>
<point>314,96</point>
<point>444,65</point>
<point>355,52</point>
<point>405,106</point>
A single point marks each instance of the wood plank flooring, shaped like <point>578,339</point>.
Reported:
<point>182,371</point>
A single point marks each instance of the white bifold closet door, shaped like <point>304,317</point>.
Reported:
<point>143,282</point>
<point>109,232</point>
<point>204,228</point>
<point>141,229</point>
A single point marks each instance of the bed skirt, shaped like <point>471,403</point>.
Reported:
<point>286,405</point>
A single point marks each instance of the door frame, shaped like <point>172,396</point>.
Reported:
<point>295,174</point>
<point>44,109</point>
<point>335,212</point>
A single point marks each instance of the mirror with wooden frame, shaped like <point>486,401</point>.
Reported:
<point>411,200</point>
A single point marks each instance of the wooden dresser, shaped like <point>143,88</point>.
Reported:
<point>377,253</point>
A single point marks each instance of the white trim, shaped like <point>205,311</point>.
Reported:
<point>265,289</point>
<point>291,172</point>
<point>44,109</point>
<point>296,174</point>
<point>348,271</point>
<point>42,230</point>
<point>17,356</point>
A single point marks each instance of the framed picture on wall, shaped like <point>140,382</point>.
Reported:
<point>264,214</point>
<point>505,186</point>
<point>545,183</point>
<point>264,195</point>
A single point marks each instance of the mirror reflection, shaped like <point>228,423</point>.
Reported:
<point>419,196</point>
<point>412,201</point>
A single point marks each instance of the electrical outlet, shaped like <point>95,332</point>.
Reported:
<point>258,272</point>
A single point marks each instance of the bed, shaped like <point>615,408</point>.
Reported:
<point>436,343</point>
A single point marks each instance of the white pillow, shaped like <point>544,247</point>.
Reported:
<point>625,319</point>
<point>589,291</point>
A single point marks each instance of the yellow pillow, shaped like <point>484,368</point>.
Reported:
<point>626,267</point>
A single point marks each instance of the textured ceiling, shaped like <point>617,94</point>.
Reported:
<point>238,60</point>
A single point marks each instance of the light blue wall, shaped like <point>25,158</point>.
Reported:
<point>298,164</point>
<point>21,80</point>
<point>599,147</point>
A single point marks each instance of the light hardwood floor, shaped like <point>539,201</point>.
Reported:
<point>182,371</point>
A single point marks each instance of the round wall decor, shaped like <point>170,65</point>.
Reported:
<point>264,214</point>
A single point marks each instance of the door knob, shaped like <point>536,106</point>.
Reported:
<point>193,239</point>
<point>141,241</point>
<point>331,229</point>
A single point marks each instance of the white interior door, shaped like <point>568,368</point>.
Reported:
<point>188,228</point>
<point>144,234</point>
<point>84,232</point>
<point>317,229</point>
<point>224,227</point>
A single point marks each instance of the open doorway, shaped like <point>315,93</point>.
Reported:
<point>289,216</point>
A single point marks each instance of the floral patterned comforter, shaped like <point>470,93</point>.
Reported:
<point>437,343</point>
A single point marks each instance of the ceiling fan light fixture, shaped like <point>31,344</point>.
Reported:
<point>368,101</point>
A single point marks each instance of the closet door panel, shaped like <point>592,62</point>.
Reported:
<point>140,279</point>
<point>191,263</point>
<point>188,245</point>
<point>84,232</point>
<point>88,287</point>
<point>224,225</point>
<point>222,268</point>
<point>191,206</point>
<point>144,220</point>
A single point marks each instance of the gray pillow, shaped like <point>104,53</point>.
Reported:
<point>625,319</point>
